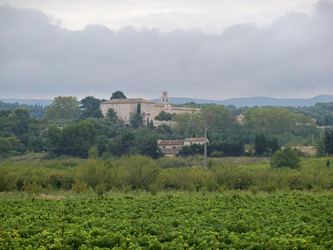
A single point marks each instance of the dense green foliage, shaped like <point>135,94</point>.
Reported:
<point>328,142</point>
<point>71,128</point>
<point>118,95</point>
<point>228,220</point>
<point>136,119</point>
<point>265,146</point>
<point>164,116</point>
<point>286,157</point>
<point>90,107</point>
<point>36,110</point>
<point>73,139</point>
<point>321,112</point>
<point>138,172</point>
<point>19,132</point>
<point>63,108</point>
<point>112,115</point>
<point>217,149</point>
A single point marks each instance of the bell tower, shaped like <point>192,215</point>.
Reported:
<point>165,99</point>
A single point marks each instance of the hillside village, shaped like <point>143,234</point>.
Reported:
<point>126,126</point>
<point>125,108</point>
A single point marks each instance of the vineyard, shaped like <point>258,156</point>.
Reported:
<point>170,220</point>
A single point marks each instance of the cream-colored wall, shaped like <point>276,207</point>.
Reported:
<point>150,111</point>
<point>123,110</point>
<point>192,143</point>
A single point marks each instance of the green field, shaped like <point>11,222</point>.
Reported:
<point>138,203</point>
<point>172,220</point>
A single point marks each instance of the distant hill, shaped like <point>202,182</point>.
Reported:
<point>42,102</point>
<point>257,101</point>
<point>238,102</point>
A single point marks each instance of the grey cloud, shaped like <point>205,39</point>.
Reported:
<point>291,57</point>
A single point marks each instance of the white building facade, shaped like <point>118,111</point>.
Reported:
<point>125,108</point>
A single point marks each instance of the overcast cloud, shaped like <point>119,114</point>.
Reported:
<point>166,15</point>
<point>291,57</point>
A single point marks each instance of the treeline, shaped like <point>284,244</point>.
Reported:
<point>263,146</point>
<point>36,110</point>
<point>143,173</point>
<point>75,128</point>
<point>321,112</point>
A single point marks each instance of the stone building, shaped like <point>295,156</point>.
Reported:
<point>170,147</point>
<point>125,108</point>
<point>173,147</point>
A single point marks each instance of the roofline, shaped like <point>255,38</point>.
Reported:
<point>127,100</point>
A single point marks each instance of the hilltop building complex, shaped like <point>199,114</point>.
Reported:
<point>125,108</point>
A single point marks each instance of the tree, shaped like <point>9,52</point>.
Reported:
<point>227,148</point>
<point>90,107</point>
<point>265,146</point>
<point>118,95</point>
<point>285,158</point>
<point>216,116</point>
<point>18,121</point>
<point>328,142</point>
<point>260,144</point>
<point>146,142</point>
<point>112,115</point>
<point>136,120</point>
<point>74,139</point>
<point>189,125</point>
<point>274,121</point>
<point>194,149</point>
<point>63,108</point>
<point>273,145</point>
<point>10,146</point>
<point>164,116</point>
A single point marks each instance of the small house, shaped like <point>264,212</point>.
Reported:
<point>170,147</point>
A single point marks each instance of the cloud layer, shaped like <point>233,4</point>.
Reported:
<point>293,57</point>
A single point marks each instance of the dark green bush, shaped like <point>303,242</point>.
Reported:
<point>285,158</point>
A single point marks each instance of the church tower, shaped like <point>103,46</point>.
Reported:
<point>165,99</point>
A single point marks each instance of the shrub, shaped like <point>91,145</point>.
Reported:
<point>79,187</point>
<point>93,153</point>
<point>92,172</point>
<point>100,189</point>
<point>32,187</point>
<point>6,180</point>
<point>285,158</point>
<point>138,171</point>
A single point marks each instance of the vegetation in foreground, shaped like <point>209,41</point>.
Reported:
<point>228,220</point>
<point>122,203</point>
<point>34,174</point>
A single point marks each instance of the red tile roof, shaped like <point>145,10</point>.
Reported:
<point>170,142</point>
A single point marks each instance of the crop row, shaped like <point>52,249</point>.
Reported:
<point>170,221</point>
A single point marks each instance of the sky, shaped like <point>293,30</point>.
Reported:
<point>214,49</point>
